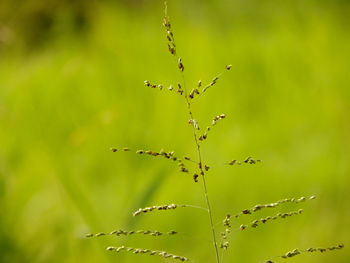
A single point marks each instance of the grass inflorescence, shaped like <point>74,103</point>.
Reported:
<point>198,169</point>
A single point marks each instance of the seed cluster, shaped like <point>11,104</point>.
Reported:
<point>195,91</point>
<point>227,224</point>
<point>248,160</point>
<point>160,253</point>
<point>213,123</point>
<point>200,166</point>
<point>129,233</point>
<point>180,65</point>
<point>195,177</point>
<point>169,34</point>
<point>194,123</point>
<point>256,222</point>
<point>296,251</point>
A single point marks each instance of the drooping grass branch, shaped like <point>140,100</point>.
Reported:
<point>214,121</point>
<point>206,87</point>
<point>296,252</point>
<point>257,222</point>
<point>167,155</point>
<point>121,232</point>
<point>150,252</point>
<point>162,208</point>
<point>257,208</point>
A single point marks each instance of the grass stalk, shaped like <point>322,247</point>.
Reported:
<point>201,171</point>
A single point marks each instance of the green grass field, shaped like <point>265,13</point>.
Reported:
<point>65,102</point>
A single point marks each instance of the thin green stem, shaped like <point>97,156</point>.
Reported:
<point>222,255</point>
<point>202,172</point>
<point>198,151</point>
<point>211,219</point>
<point>194,206</point>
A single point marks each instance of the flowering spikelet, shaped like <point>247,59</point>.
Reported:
<point>169,33</point>
<point>194,123</point>
<point>180,65</point>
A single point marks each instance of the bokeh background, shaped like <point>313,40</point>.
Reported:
<point>71,86</point>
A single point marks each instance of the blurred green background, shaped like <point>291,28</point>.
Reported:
<point>71,86</point>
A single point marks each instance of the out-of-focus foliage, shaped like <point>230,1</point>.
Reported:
<point>71,86</point>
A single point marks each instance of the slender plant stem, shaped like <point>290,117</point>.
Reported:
<point>202,172</point>
<point>194,206</point>
<point>222,255</point>
<point>198,151</point>
<point>211,219</point>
